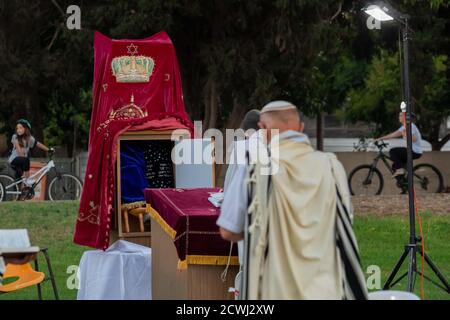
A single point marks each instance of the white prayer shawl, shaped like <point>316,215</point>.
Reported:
<point>293,252</point>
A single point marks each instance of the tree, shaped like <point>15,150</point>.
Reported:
<point>68,123</point>
<point>433,106</point>
<point>39,78</point>
<point>377,100</point>
<point>22,62</point>
<point>234,55</point>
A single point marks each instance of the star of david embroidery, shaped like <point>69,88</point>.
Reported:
<point>132,49</point>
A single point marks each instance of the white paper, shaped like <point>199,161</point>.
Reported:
<point>194,161</point>
<point>14,238</point>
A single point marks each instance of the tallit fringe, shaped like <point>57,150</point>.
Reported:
<point>354,282</point>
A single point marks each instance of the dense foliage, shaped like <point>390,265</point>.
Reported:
<point>235,55</point>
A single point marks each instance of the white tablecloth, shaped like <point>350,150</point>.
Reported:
<point>122,272</point>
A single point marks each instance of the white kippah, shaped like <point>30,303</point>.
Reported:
<point>278,105</point>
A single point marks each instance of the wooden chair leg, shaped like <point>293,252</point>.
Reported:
<point>141,222</point>
<point>127,225</point>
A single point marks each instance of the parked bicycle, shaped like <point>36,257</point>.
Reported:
<point>64,186</point>
<point>367,179</point>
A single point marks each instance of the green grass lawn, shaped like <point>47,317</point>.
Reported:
<point>381,241</point>
<point>49,224</point>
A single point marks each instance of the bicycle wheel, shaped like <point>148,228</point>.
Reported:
<point>427,179</point>
<point>11,193</point>
<point>65,187</point>
<point>2,192</point>
<point>365,180</point>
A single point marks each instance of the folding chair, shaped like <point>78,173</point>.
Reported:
<point>26,276</point>
<point>16,249</point>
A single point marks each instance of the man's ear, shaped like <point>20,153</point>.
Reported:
<point>301,126</point>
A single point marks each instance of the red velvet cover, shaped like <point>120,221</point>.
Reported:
<point>193,217</point>
<point>161,102</point>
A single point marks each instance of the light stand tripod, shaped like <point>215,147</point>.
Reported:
<point>415,243</point>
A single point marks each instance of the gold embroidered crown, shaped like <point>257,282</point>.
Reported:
<point>132,69</point>
<point>130,111</point>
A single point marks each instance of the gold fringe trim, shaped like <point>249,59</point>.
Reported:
<point>133,205</point>
<point>182,265</point>
<point>190,259</point>
<point>163,224</point>
<point>209,260</point>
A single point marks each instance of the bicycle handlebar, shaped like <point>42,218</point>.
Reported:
<point>51,152</point>
<point>363,145</point>
<point>381,145</point>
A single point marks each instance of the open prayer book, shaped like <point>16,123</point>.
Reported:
<point>15,241</point>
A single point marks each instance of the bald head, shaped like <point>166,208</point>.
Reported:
<point>282,119</point>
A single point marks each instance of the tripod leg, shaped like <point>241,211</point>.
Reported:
<point>437,272</point>
<point>399,279</point>
<point>411,269</point>
<point>397,266</point>
<point>432,281</point>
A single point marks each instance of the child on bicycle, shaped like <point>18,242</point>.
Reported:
<point>23,142</point>
<point>399,155</point>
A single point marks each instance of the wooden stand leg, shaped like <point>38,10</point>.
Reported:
<point>127,225</point>
<point>141,222</point>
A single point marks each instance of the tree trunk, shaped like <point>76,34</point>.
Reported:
<point>72,149</point>
<point>69,148</point>
<point>33,114</point>
<point>433,136</point>
<point>211,104</point>
<point>236,116</point>
<point>319,131</point>
<point>207,109</point>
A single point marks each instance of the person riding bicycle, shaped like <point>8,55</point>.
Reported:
<point>399,154</point>
<point>22,142</point>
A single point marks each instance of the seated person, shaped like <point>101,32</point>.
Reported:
<point>399,155</point>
